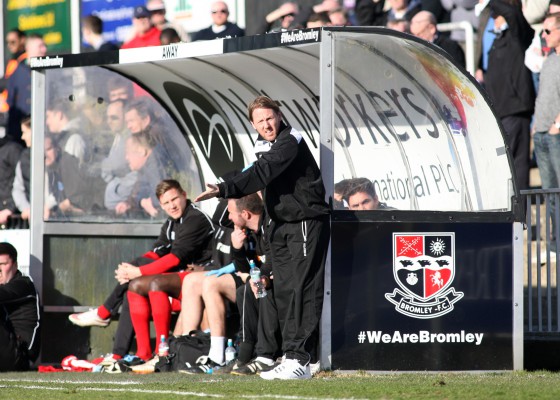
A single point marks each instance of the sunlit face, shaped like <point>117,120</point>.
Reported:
<point>398,5</point>
<point>553,36</point>
<point>14,43</point>
<point>115,117</point>
<point>338,18</point>
<point>220,13</point>
<point>135,155</point>
<point>26,134</point>
<point>157,11</point>
<point>362,201</point>
<point>8,268</point>
<point>119,93</point>
<point>173,202</point>
<point>135,122</point>
<point>54,121</point>
<point>423,29</point>
<point>235,216</point>
<point>141,25</point>
<point>50,152</point>
<point>35,47</point>
<point>267,123</point>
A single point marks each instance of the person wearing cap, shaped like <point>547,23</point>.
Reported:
<point>145,34</point>
<point>157,15</point>
<point>221,27</point>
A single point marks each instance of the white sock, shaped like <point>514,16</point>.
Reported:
<point>217,348</point>
<point>265,360</point>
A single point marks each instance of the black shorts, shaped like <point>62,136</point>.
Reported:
<point>238,281</point>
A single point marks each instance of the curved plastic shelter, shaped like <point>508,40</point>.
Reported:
<point>429,280</point>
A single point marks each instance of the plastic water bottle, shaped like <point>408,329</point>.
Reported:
<point>163,347</point>
<point>231,353</point>
<point>256,277</point>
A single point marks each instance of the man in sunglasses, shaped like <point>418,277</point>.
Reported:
<point>546,124</point>
<point>221,27</point>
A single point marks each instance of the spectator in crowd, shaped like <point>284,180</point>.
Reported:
<point>144,156</point>
<point>485,38</point>
<point>65,129</point>
<point>184,240</point>
<point>400,10</point>
<point>317,20</point>
<point>145,34</point>
<point>92,34</point>
<point>401,25</point>
<point>19,314</point>
<point>21,190</point>
<point>10,151</point>
<point>140,116</point>
<point>19,86</point>
<point>546,125</point>
<point>71,190</point>
<point>291,16</point>
<point>114,168</point>
<point>168,36</point>
<point>157,11</point>
<point>424,26</point>
<point>436,7</point>
<point>295,202</point>
<point>221,27</point>
<point>280,19</point>
<point>115,164</point>
<point>514,101</point>
<point>15,42</point>
<point>360,195</point>
<point>120,88</point>
<point>339,17</point>
<point>208,291</point>
<point>537,51</point>
<point>370,13</point>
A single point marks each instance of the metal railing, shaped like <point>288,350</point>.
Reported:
<point>542,282</point>
<point>469,41</point>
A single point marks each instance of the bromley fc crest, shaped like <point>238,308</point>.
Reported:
<point>424,268</point>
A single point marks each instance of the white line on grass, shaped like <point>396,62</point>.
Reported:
<point>67,381</point>
<point>128,390</point>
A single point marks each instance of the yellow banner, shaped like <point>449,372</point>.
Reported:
<point>22,4</point>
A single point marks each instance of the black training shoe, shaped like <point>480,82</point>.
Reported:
<point>253,367</point>
<point>204,365</point>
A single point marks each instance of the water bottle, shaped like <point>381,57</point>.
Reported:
<point>163,347</point>
<point>256,277</point>
<point>231,353</point>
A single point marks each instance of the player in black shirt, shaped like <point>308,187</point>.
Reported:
<point>19,314</point>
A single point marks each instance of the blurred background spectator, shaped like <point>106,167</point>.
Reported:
<point>221,27</point>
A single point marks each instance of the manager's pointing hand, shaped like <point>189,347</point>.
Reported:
<point>210,193</point>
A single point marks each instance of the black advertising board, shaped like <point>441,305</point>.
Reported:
<point>422,296</point>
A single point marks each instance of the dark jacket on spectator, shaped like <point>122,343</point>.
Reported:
<point>232,30</point>
<point>9,156</point>
<point>452,47</point>
<point>508,81</point>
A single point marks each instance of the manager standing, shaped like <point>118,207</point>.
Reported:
<point>299,231</point>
